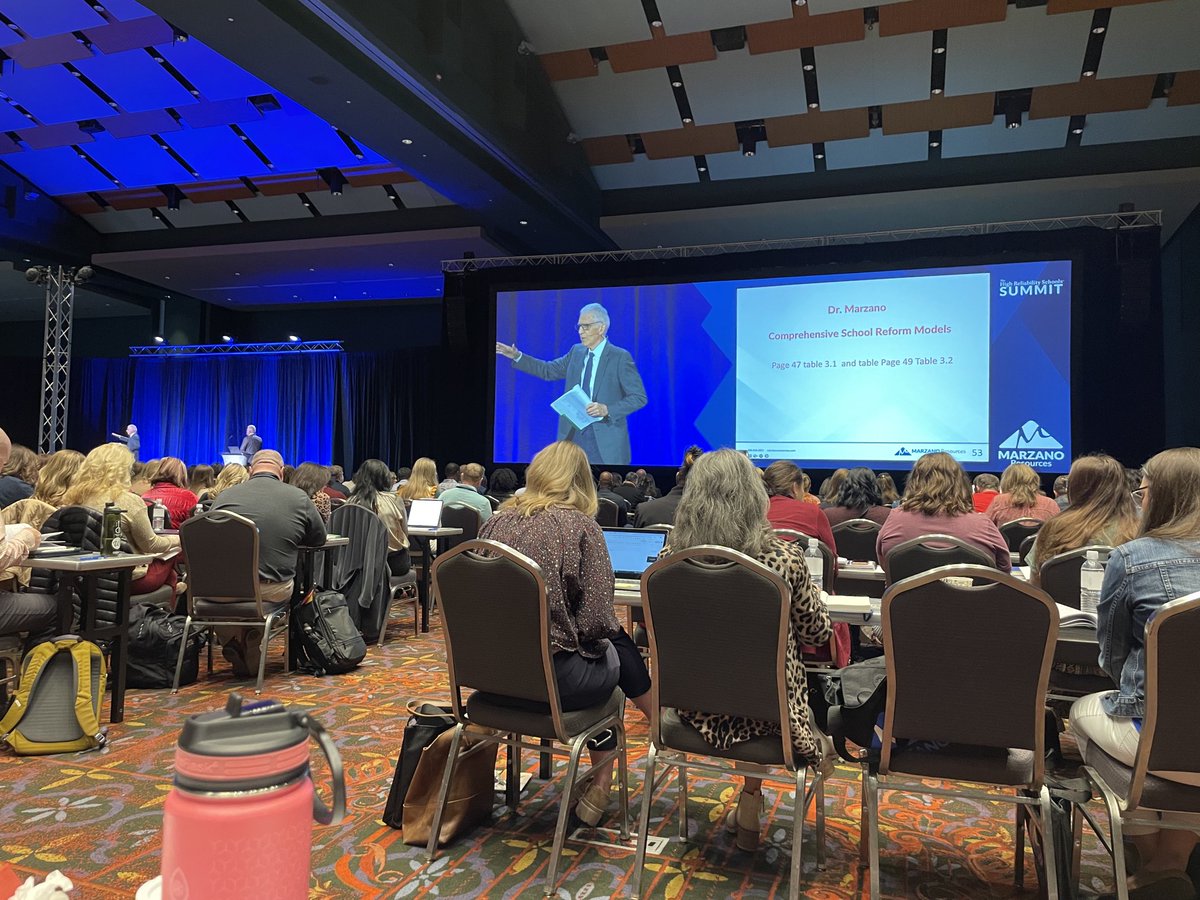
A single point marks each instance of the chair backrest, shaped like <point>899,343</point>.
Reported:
<point>1058,576</point>
<point>606,512</point>
<point>856,539</point>
<point>463,517</point>
<point>358,570</point>
<point>494,502</point>
<point>828,557</point>
<point>1026,546</point>
<point>496,623</point>
<point>221,549</point>
<point>696,596</point>
<point>930,551</point>
<point>1018,530</point>
<point>81,527</point>
<point>968,665</point>
<point>1170,728</point>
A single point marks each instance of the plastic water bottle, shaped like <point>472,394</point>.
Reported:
<point>1091,577</point>
<point>158,516</point>
<point>815,560</point>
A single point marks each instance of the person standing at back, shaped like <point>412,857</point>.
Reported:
<point>286,520</point>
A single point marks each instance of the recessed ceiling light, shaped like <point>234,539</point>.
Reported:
<point>808,67</point>
<point>936,91</point>
<point>813,105</point>
<point>1089,73</point>
<point>391,265</point>
<point>230,19</point>
<point>819,155</point>
<point>657,23</point>
<point>237,273</point>
<point>347,102</point>
<point>939,50</point>
<point>311,269</point>
<point>406,141</point>
<point>935,143</point>
<point>701,168</point>
<point>1076,131</point>
<point>523,222</point>
<point>1099,29</point>
<point>676,84</point>
<point>168,277</point>
<point>687,120</point>
<point>801,2</point>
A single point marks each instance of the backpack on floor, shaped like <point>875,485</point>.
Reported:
<point>327,640</point>
<point>154,635</point>
<point>57,707</point>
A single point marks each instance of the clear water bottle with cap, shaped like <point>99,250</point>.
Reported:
<point>158,515</point>
<point>815,560</point>
<point>239,820</point>
<point>1091,578</point>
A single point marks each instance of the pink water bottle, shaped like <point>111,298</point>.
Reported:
<point>238,823</point>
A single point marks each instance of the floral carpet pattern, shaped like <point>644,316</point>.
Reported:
<point>98,816</point>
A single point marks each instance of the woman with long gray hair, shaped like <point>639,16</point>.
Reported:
<point>725,504</point>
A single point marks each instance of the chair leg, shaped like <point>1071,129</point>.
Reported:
<point>681,784</point>
<point>287,648</point>
<point>871,801</point>
<point>1116,835</point>
<point>187,625</point>
<point>564,814</point>
<point>444,792</point>
<point>262,652</point>
<point>623,774</point>
<point>387,612</point>
<point>212,636</point>
<point>820,804</point>
<point>1049,858</point>
<point>643,832</point>
<point>798,808</point>
<point>1019,848</point>
<point>512,777</point>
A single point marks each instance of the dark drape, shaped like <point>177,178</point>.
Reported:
<point>385,403</point>
<point>101,400</point>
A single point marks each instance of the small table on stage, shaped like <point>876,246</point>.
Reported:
<point>426,537</point>
<point>80,570</point>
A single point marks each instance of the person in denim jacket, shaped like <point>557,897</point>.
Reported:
<point>1160,565</point>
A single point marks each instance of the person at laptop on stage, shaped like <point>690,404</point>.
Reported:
<point>552,523</point>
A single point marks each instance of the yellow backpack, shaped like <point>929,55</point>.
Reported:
<point>57,707</point>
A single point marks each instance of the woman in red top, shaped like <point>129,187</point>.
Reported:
<point>1021,497</point>
<point>169,485</point>
<point>785,487</point>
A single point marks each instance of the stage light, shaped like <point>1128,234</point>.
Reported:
<point>1012,118</point>
<point>227,338</point>
<point>159,339</point>
<point>335,179</point>
<point>83,274</point>
<point>406,141</point>
<point>293,338</point>
<point>748,145</point>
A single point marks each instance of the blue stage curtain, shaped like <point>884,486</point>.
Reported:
<point>192,407</point>
<point>100,401</point>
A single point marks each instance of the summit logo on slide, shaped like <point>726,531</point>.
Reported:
<point>1032,444</point>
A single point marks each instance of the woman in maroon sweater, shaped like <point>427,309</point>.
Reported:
<point>170,486</point>
<point>785,487</point>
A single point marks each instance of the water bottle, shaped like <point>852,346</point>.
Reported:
<point>110,530</point>
<point>238,821</point>
<point>1091,577</point>
<point>158,515</point>
<point>815,560</point>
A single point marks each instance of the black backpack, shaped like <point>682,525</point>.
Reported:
<point>849,703</point>
<point>327,641</point>
<point>154,636</point>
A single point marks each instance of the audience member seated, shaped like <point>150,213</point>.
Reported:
<point>938,501</point>
<point>552,523</point>
<point>1101,512</point>
<point>784,483</point>
<point>661,511</point>
<point>402,475</point>
<point>337,489</point>
<point>24,612</point>
<point>103,478</point>
<point>984,489</point>
<point>726,505</point>
<point>139,480</point>
<point>831,487</point>
<point>809,496</point>
<point>604,491</point>
<point>168,486</point>
<point>858,499</point>
<point>286,520</point>
<point>631,490</point>
<point>1060,493</point>
<point>311,479</point>
<point>887,490</point>
<point>1161,564</point>
<point>466,491</point>
<point>1021,497</point>
<point>230,475</point>
<point>450,478</point>
<point>56,475</point>
<point>372,483</point>
<point>200,479</point>
<point>422,481</point>
<point>503,484</point>
<point>648,485</point>
<point>19,476</point>
<point>288,471</point>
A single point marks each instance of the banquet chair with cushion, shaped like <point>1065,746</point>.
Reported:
<point>686,601</point>
<point>1170,733</point>
<point>360,571</point>
<point>607,513</point>
<point>930,551</point>
<point>223,588</point>
<point>856,539</point>
<point>463,517</point>
<point>496,622</point>
<point>982,702</point>
<point>836,653</point>
<point>1016,531</point>
<point>1059,577</point>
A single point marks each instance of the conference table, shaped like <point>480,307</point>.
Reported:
<point>78,573</point>
<point>425,537</point>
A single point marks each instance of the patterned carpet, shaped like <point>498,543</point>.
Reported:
<point>97,816</point>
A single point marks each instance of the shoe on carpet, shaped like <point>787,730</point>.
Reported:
<point>1169,884</point>
<point>593,804</point>
<point>745,821</point>
<point>236,656</point>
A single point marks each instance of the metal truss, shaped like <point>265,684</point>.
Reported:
<point>237,349</point>
<point>56,358</point>
<point>1111,221</point>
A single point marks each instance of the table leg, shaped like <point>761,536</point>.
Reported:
<point>66,610</point>
<point>545,762</point>
<point>423,583</point>
<point>119,648</point>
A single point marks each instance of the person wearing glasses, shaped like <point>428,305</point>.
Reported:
<point>608,376</point>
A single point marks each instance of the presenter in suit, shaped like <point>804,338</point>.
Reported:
<point>131,439</point>
<point>606,373</point>
<point>251,443</point>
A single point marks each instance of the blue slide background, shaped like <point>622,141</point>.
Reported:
<point>683,338</point>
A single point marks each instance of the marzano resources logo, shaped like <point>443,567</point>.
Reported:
<point>1032,444</point>
<point>1032,287</point>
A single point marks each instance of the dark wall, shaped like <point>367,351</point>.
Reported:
<point>1181,332</point>
<point>383,326</point>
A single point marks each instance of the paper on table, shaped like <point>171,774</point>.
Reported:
<point>573,404</point>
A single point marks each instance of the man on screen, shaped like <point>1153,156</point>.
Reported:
<point>606,373</point>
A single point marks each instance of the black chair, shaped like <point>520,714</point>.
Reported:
<point>1026,546</point>
<point>931,551</point>
<point>463,517</point>
<point>360,569</point>
<point>1016,531</point>
<point>828,557</point>
<point>1059,577</point>
<point>607,513</point>
<point>494,502</point>
<point>856,539</point>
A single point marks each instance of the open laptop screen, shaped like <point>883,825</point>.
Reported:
<point>425,514</point>
<point>632,550</point>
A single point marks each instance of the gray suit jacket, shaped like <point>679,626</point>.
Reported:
<point>616,384</point>
<point>251,444</point>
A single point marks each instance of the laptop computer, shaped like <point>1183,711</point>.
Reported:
<point>425,514</point>
<point>632,550</point>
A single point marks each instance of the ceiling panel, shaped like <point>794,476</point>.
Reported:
<point>1092,95</point>
<point>917,16</point>
<point>814,127</point>
<point>58,170</point>
<point>803,29</point>
<point>194,215</point>
<point>215,76</point>
<point>618,104</point>
<point>135,81</point>
<point>42,18</point>
<point>572,24</point>
<point>113,220</point>
<point>137,162</point>
<point>778,78</point>
<point>766,161</point>
<point>876,150</point>
<point>1029,49</point>
<point>644,172</point>
<point>295,142</point>
<point>1152,37</point>
<point>680,16</point>
<point>352,200</point>
<point>266,209</point>
<point>874,70</point>
<point>1157,122</point>
<point>216,153</point>
<point>53,94</point>
<point>10,119</point>
<point>415,195</point>
<point>126,9</point>
<point>668,50</point>
<point>690,140</point>
<point>938,112</point>
<point>984,140</point>
<point>820,7</point>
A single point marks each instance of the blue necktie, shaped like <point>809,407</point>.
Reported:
<point>586,384</point>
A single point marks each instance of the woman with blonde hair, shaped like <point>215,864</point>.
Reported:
<point>422,482</point>
<point>937,500</point>
<point>1021,497</point>
<point>553,524</point>
<point>104,478</point>
<point>234,473</point>
<point>19,476</point>
<point>57,475</point>
<point>170,486</point>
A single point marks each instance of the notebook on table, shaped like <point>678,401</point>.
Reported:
<point>632,551</point>
<point>425,513</point>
